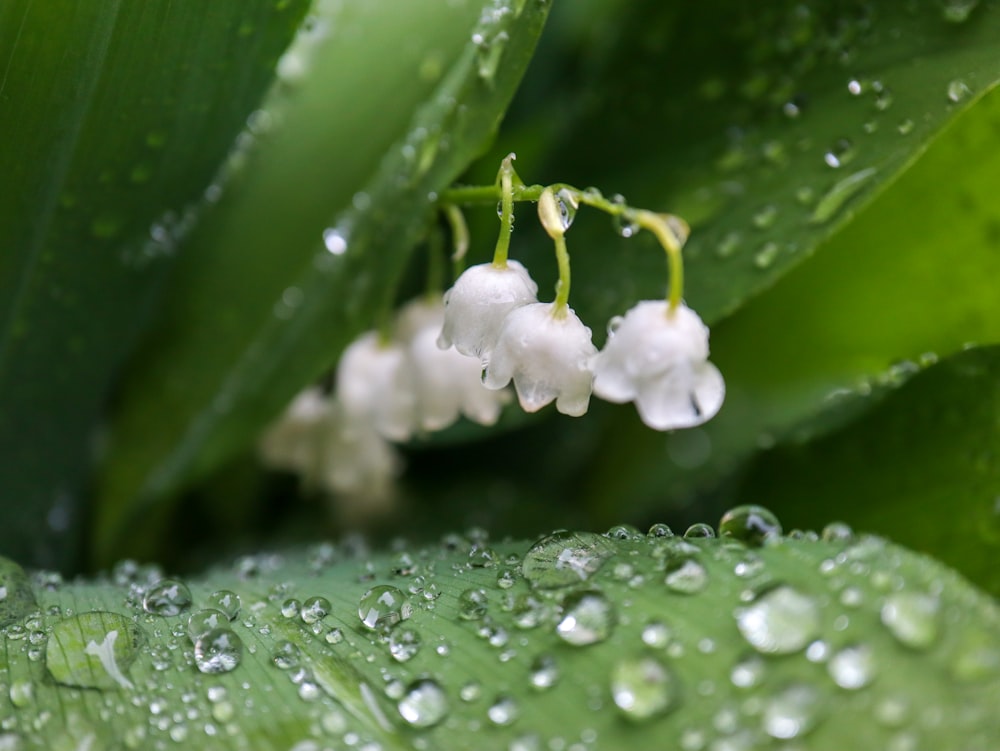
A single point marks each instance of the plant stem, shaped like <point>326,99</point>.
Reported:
<point>459,236</point>
<point>505,178</point>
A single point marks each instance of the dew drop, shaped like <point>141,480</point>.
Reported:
<point>588,618</point>
<point>852,667</point>
<point>544,672</point>
<point>424,704</point>
<point>685,576</point>
<point>564,558</point>
<point>218,651</point>
<point>488,55</point>
<point>905,127</point>
<point>203,621</point>
<point>766,255</point>
<point>748,672</point>
<point>92,650</point>
<point>335,241</point>
<point>728,245</point>
<point>472,604</point>
<point>912,618</point>
<point>567,202</point>
<point>404,643</point>
<point>750,524</point>
<point>225,602</point>
<point>957,91</point>
<point>291,608</point>
<point>383,606</point>
<point>656,634</point>
<point>839,194</point>
<point>792,712</point>
<point>660,530</point>
<point>643,688</point>
<point>286,655</point>
<point>504,711</point>
<point>842,152</point>
<point>314,610</point>
<point>957,11</point>
<point>699,531</point>
<point>779,621</point>
<point>168,597</point>
<point>765,217</point>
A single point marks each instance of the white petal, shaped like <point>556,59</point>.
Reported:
<point>546,356</point>
<point>373,382</point>
<point>291,441</point>
<point>478,302</point>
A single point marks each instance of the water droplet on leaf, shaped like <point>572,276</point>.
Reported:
<point>779,621</point>
<point>643,688</point>
<point>588,618</point>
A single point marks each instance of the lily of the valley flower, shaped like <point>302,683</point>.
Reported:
<point>374,384</point>
<point>445,383</point>
<point>478,302</point>
<point>659,359</point>
<point>546,353</point>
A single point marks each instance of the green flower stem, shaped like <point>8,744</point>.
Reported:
<point>459,232</point>
<point>669,230</point>
<point>551,219</point>
<point>505,182</point>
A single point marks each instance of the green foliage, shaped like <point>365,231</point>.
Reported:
<point>204,204</point>
<point>663,640</point>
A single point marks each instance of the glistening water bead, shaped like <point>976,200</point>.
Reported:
<point>218,651</point>
<point>168,597</point>
<point>383,606</point>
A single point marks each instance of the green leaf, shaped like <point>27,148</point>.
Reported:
<point>933,477</point>
<point>259,306</point>
<point>627,641</point>
<point>115,117</point>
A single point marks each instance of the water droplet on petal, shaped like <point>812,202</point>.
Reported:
<point>643,688</point>
<point>779,621</point>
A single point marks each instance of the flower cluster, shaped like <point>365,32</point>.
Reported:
<point>388,389</point>
<point>656,356</point>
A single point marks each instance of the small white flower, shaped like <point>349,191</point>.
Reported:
<point>291,441</point>
<point>445,382</point>
<point>478,302</point>
<point>546,356</point>
<point>374,384</point>
<point>660,360</point>
<point>357,460</point>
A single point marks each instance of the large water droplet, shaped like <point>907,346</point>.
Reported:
<point>167,597</point>
<point>852,667</point>
<point>424,704</point>
<point>588,618</point>
<point>383,606</point>
<point>218,651</point>
<point>793,712</point>
<point>750,524</point>
<point>780,621</point>
<point>567,202</point>
<point>93,650</point>
<point>225,602</point>
<point>563,559</point>
<point>203,621</point>
<point>912,618</point>
<point>643,688</point>
<point>685,576</point>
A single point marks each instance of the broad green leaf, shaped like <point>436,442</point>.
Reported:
<point>932,473</point>
<point>886,294</point>
<point>818,278</point>
<point>612,642</point>
<point>114,117</point>
<point>262,304</point>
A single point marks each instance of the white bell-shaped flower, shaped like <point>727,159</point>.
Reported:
<point>358,461</point>
<point>445,382</point>
<point>659,360</point>
<point>478,302</point>
<point>374,384</point>
<point>291,441</point>
<point>547,357</point>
